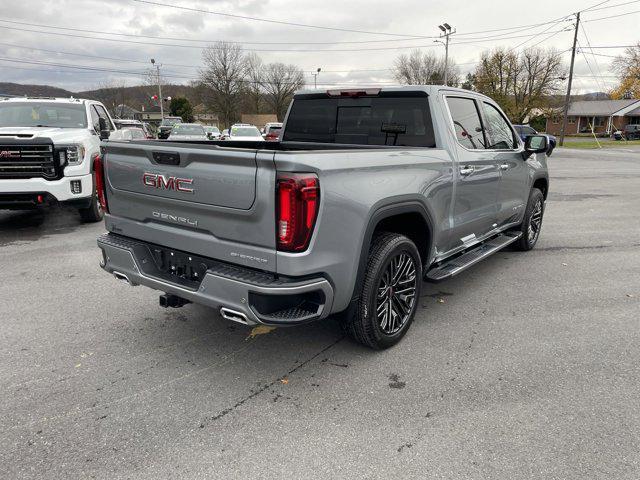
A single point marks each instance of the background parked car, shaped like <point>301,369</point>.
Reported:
<point>272,131</point>
<point>632,132</point>
<point>132,133</point>
<point>126,123</point>
<point>245,133</point>
<point>525,131</point>
<point>166,125</point>
<point>187,131</point>
<point>213,133</point>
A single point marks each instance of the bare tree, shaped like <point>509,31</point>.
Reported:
<point>424,68</point>
<point>280,83</point>
<point>223,76</point>
<point>520,82</point>
<point>255,76</point>
<point>114,95</point>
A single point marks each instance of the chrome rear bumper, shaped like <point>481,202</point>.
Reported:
<point>262,298</point>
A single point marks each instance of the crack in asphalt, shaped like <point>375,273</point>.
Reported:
<point>267,386</point>
<point>227,358</point>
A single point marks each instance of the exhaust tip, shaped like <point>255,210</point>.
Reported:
<point>122,277</point>
<point>234,316</point>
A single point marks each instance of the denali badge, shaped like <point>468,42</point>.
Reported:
<point>163,182</point>
<point>175,218</point>
<point>6,153</point>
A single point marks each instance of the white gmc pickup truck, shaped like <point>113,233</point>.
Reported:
<point>46,151</point>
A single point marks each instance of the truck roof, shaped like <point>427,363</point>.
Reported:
<point>46,99</point>
<point>428,89</point>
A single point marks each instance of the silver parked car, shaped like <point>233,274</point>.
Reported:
<point>187,131</point>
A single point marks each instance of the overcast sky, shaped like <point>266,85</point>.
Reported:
<point>181,58</point>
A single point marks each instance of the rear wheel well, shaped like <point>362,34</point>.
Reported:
<point>542,185</point>
<point>413,226</point>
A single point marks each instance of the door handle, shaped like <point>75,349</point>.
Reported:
<point>504,166</point>
<point>466,170</point>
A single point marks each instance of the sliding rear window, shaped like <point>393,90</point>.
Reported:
<point>393,120</point>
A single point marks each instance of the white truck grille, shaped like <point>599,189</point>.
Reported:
<point>28,161</point>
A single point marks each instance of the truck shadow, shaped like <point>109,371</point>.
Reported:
<point>30,225</point>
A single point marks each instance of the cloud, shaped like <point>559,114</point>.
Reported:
<point>406,17</point>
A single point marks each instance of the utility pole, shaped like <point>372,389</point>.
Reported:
<point>447,31</point>
<point>568,97</point>
<point>315,77</point>
<point>160,99</point>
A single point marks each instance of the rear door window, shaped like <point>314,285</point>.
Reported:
<point>392,121</point>
<point>466,122</point>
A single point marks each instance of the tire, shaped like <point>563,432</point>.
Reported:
<point>93,213</point>
<point>532,215</point>
<point>382,316</point>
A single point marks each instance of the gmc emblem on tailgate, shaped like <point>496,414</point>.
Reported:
<point>156,180</point>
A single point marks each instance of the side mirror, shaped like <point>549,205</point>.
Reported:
<point>535,144</point>
<point>104,129</point>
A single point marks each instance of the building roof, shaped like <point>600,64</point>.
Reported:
<point>126,109</point>
<point>601,108</point>
<point>634,112</point>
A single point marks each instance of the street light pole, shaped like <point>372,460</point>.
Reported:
<point>315,78</point>
<point>447,31</point>
<point>160,99</point>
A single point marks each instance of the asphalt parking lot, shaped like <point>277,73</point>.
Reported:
<point>526,366</point>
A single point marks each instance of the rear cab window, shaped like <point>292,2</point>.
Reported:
<point>388,118</point>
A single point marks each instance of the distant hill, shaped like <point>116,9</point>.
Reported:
<point>33,90</point>
<point>592,96</point>
<point>137,97</point>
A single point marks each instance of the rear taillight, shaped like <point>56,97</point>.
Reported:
<point>298,197</point>
<point>98,171</point>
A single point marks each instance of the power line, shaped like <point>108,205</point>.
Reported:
<point>403,47</point>
<point>595,59</point>
<point>592,9</point>
<point>322,27</point>
<point>612,16</point>
<point>602,55</point>
<point>79,67</point>
<point>615,46</point>
<point>100,57</point>
<point>278,22</point>
<point>208,41</point>
<point>512,30</point>
<point>136,73</point>
<point>540,33</point>
<point>503,36</point>
<point>591,69</point>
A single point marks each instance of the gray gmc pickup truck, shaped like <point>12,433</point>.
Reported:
<point>368,192</point>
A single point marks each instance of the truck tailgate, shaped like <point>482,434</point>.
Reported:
<point>207,200</point>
